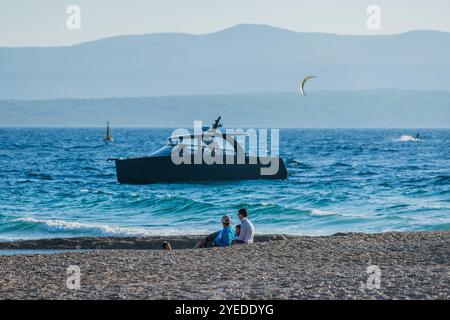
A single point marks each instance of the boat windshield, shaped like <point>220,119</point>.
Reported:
<point>219,142</point>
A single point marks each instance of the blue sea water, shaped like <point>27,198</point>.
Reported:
<point>57,183</point>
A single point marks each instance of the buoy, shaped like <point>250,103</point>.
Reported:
<point>108,133</point>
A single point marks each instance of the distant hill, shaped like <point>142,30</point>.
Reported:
<point>367,109</point>
<point>244,58</point>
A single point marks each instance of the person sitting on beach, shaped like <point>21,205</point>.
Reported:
<point>222,238</point>
<point>237,231</point>
<point>247,230</point>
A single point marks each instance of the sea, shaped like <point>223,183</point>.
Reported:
<point>57,182</point>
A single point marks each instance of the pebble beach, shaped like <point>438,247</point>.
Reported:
<point>412,265</point>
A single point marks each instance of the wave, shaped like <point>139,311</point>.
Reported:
<point>322,213</point>
<point>40,175</point>
<point>97,192</point>
<point>100,145</point>
<point>408,138</point>
<point>270,209</point>
<point>298,163</point>
<point>442,180</point>
<point>20,181</point>
<point>77,228</point>
<point>341,164</point>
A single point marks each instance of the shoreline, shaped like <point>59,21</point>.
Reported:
<point>178,242</point>
<point>413,265</point>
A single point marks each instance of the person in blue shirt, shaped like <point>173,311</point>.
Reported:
<point>225,237</point>
<point>222,238</point>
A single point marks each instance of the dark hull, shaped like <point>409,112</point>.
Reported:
<point>161,169</point>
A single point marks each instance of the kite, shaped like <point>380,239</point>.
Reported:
<point>302,88</point>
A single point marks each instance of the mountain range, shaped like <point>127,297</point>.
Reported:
<point>241,59</point>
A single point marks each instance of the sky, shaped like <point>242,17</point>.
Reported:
<point>44,22</point>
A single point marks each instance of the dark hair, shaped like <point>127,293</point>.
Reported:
<point>238,226</point>
<point>243,211</point>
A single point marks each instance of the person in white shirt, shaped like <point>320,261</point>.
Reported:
<point>247,230</point>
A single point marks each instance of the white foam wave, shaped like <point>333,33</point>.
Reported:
<point>407,138</point>
<point>266,204</point>
<point>97,192</point>
<point>322,213</point>
<point>104,230</point>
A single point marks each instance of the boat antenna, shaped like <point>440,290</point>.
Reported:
<point>217,123</point>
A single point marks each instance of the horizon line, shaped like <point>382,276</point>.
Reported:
<point>226,94</point>
<point>243,127</point>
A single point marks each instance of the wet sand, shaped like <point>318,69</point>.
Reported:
<point>412,266</point>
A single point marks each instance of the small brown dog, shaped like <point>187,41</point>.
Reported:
<point>166,246</point>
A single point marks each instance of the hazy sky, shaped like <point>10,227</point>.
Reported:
<point>43,22</point>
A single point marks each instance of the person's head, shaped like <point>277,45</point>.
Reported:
<point>237,229</point>
<point>166,246</point>
<point>242,213</point>
<point>226,220</point>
